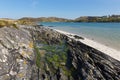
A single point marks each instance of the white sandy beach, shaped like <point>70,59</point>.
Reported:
<point>105,49</point>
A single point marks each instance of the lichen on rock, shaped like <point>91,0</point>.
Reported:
<point>39,53</point>
<point>16,61</point>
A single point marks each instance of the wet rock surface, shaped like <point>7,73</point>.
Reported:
<point>38,53</point>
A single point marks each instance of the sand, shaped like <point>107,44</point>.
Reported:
<point>101,47</point>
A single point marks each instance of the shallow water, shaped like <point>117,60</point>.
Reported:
<point>105,33</point>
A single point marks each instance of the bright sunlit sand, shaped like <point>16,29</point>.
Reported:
<point>105,49</point>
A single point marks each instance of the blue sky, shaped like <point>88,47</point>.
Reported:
<point>59,8</point>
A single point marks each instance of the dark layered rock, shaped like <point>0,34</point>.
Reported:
<point>91,64</point>
<point>18,57</point>
<point>84,62</point>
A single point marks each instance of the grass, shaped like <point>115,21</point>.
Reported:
<point>25,22</point>
<point>14,23</point>
<point>8,23</point>
<point>56,54</point>
<point>38,56</point>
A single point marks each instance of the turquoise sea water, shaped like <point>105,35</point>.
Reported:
<point>105,33</point>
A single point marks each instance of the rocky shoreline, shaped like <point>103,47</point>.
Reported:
<point>38,53</point>
<point>100,47</point>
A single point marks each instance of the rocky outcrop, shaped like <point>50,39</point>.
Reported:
<point>38,53</point>
<point>17,58</point>
<point>83,62</point>
<point>91,64</point>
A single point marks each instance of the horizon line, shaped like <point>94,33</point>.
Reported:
<point>57,16</point>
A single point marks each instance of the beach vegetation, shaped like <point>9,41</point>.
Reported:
<point>8,23</point>
<point>56,54</point>
<point>38,56</point>
<point>110,18</point>
<point>25,22</point>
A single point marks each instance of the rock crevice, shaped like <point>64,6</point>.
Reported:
<point>39,53</point>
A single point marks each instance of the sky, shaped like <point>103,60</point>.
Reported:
<point>58,8</point>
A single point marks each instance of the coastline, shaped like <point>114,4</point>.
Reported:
<point>101,47</point>
<point>103,33</point>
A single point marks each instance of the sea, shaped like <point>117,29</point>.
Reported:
<point>105,33</point>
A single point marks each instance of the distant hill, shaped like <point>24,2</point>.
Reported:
<point>110,18</point>
<point>44,19</point>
